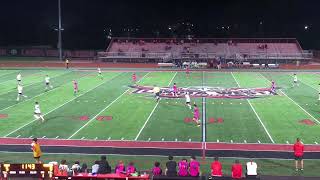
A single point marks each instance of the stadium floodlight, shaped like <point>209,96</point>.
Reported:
<point>56,29</point>
<point>59,32</point>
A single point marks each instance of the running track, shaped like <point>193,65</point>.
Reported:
<point>283,151</point>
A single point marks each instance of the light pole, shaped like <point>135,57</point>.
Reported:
<point>59,32</point>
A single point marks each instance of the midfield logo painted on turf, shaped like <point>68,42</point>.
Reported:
<point>208,92</point>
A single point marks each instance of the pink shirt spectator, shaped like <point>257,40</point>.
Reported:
<point>131,169</point>
<point>194,168</point>
<point>120,168</point>
<point>156,171</point>
<point>183,168</point>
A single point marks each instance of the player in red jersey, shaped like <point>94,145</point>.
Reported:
<point>75,87</point>
<point>134,78</point>
<point>298,149</point>
<point>187,71</point>
<point>175,90</point>
<point>196,114</point>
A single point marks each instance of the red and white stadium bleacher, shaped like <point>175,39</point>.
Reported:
<point>204,50</point>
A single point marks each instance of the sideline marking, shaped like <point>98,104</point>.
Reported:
<point>264,127</point>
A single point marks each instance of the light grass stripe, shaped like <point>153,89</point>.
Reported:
<point>294,102</point>
<point>115,100</point>
<point>62,105</point>
<point>264,127</point>
<point>155,107</point>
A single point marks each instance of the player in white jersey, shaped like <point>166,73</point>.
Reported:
<point>187,96</point>
<point>47,81</point>
<point>20,92</point>
<point>37,112</point>
<point>19,78</point>
<point>295,80</point>
<point>99,73</point>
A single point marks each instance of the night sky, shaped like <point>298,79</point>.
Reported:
<point>87,23</point>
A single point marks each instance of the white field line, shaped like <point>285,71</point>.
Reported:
<point>34,83</point>
<point>115,100</point>
<point>143,126</point>
<point>264,127</point>
<point>61,105</point>
<point>295,102</point>
<point>35,96</point>
<point>203,113</point>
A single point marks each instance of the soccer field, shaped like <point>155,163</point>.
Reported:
<point>109,109</point>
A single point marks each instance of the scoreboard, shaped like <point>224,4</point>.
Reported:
<point>26,170</point>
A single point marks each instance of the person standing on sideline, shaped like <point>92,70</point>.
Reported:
<point>67,63</point>
<point>298,149</point>
<point>35,147</point>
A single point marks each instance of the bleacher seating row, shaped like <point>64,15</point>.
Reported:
<point>180,49</point>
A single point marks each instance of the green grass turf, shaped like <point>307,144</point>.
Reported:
<point>143,163</point>
<point>71,105</point>
<point>35,80</point>
<point>278,113</point>
<point>5,74</point>
<point>169,116</point>
<point>239,120</point>
<point>138,116</point>
<point>129,113</point>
